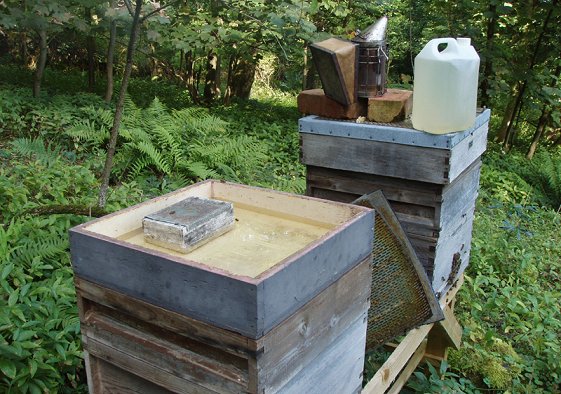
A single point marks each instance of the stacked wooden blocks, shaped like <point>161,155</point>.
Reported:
<point>394,106</point>
<point>431,181</point>
<point>291,318</point>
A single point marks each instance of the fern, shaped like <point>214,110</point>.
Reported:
<point>40,249</point>
<point>549,168</point>
<point>36,148</point>
<point>88,131</point>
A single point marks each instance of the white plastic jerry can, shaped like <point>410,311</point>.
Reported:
<point>445,86</point>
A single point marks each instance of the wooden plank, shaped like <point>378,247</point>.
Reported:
<point>163,354</point>
<point>290,347</point>
<point>141,368</point>
<point>460,194</point>
<point>452,327</point>
<point>384,377</point>
<point>468,151</point>
<point>118,381</point>
<point>93,377</point>
<point>203,332</point>
<point>395,189</point>
<point>408,370</point>
<point>373,157</point>
<point>338,369</point>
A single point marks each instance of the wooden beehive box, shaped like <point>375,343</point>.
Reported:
<point>283,251</point>
<point>132,346</point>
<point>279,303</point>
<point>431,181</point>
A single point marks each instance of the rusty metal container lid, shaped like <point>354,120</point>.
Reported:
<point>374,35</point>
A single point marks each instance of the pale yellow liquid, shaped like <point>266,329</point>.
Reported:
<point>258,241</point>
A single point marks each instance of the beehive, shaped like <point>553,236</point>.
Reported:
<point>258,309</point>
<point>431,181</point>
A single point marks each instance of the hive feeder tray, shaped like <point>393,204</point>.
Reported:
<point>279,255</point>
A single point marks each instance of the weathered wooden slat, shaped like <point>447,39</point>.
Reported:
<point>424,207</point>
<point>228,341</point>
<point>291,346</point>
<point>408,370</point>
<point>467,151</point>
<point>338,369</point>
<point>445,334</point>
<point>384,377</point>
<point>216,359</point>
<point>395,189</point>
<point>117,381</point>
<point>458,195</point>
<point>373,157</point>
<point>139,367</point>
<point>163,355</point>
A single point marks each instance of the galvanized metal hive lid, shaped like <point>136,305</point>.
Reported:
<point>401,295</point>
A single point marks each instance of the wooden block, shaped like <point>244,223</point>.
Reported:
<point>394,106</point>
<point>213,283</point>
<point>188,224</point>
<point>315,102</point>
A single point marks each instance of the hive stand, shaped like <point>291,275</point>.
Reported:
<point>430,342</point>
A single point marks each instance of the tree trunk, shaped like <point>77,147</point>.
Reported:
<point>190,77</point>
<point>90,47</point>
<point>542,123</point>
<point>488,64</point>
<point>228,93</point>
<point>212,78</point>
<point>111,56</point>
<point>545,117</point>
<point>509,132</point>
<point>518,104</point>
<point>43,49</point>
<point>23,53</point>
<point>509,114</point>
<point>242,77</point>
<point>135,29</point>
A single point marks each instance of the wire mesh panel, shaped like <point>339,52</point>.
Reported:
<point>401,296</point>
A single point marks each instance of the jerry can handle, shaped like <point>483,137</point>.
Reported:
<point>434,43</point>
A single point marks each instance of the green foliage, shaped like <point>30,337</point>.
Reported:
<point>40,349</point>
<point>441,381</point>
<point>511,178</point>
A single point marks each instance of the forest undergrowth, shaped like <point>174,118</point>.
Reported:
<point>51,153</point>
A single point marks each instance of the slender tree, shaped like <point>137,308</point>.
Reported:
<point>137,21</point>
